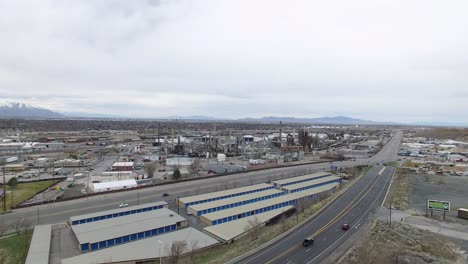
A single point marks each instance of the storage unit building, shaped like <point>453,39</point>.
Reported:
<point>204,208</point>
<point>262,206</point>
<point>88,218</point>
<point>311,184</point>
<point>121,230</point>
<point>214,196</point>
<point>294,180</point>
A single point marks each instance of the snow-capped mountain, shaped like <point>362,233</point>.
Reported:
<point>20,110</point>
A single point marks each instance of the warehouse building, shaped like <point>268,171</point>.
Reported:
<point>236,229</point>
<point>204,208</point>
<point>214,196</point>
<point>88,218</point>
<point>123,166</point>
<point>310,184</point>
<point>121,230</point>
<point>239,212</point>
<point>146,250</point>
<point>295,180</point>
<point>114,185</point>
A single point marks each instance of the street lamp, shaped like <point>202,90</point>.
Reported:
<point>160,246</point>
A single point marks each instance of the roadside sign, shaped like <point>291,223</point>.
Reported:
<point>333,167</point>
<point>438,205</point>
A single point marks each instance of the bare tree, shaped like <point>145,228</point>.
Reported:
<point>363,251</point>
<point>193,248</point>
<point>177,248</point>
<point>253,225</point>
<point>3,228</point>
<point>149,169</point>
<point>195,165</point>
<point>18,225</point>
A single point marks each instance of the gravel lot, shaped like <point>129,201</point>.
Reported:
<point>446,188</point>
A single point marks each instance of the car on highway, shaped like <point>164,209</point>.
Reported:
<point>122,205</point>
<point>308,242</point>
<point>165,194</point>
<point>345,227</point>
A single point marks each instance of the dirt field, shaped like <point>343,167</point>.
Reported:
<point>446,188</point>
<point>446,133</point>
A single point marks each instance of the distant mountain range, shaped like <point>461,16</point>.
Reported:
<point>20,110</point>
<point>320,120</point>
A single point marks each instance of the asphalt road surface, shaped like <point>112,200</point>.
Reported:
<point>351,208</point>
<point>62,211</point>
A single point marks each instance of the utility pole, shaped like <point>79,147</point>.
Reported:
<point>4,189</point>
<point>390,208</point>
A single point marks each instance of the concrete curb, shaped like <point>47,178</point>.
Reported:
<point>274,240</point>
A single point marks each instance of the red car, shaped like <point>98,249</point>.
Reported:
<point>345,227</point>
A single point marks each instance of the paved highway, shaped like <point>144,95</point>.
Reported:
<point>352,208</point>
<point>60,212</point>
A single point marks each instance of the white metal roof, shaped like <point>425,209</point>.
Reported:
<point>145,249</point>
<point>207,196</point>
<point>125,225</point>
<point>119,210</point>
<point>40,245</point>
<point>213,204</point>
<point>309,183</point>
<point>233,229</point>
<point>262,204</point>
<point>122,164</point>
<point>114,184</point>
<point>300,178</point>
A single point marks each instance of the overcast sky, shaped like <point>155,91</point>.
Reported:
<point>390,60</point>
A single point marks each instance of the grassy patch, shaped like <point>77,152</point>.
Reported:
<point>402,243</point>
<point>14,249</point>
<point>399,191</point>
<point>23,191</point>
<point>392,163</point>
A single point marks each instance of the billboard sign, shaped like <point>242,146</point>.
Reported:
<point>438,205</point>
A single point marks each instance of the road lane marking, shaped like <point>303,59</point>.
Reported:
<point>350,206</point>
<point>356,225</point>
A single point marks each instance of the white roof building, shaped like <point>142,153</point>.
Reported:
<point>114,185</point>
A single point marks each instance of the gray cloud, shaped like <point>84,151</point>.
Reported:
<point>369,59</point>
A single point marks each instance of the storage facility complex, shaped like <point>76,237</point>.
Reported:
<point>115,231</point>
<point>204,208</point>
<point>88,218</point>
<point>295,180</point>
<point>214,196</point>
<point>239,212</point>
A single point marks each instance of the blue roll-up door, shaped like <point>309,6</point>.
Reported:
<point>126,239</point>
<point>110,242</point>
<point>85,247</point>
<point>103,244</point>
<point>94,246</point>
